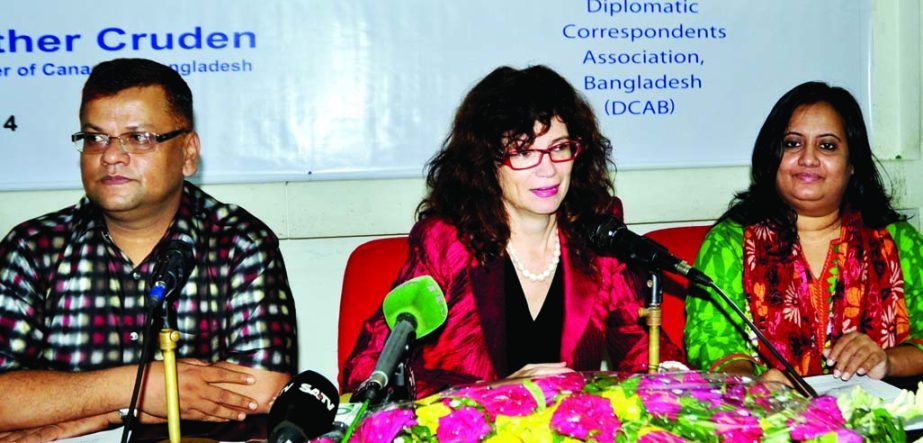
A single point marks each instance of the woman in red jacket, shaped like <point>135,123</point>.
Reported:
<point>517,183</point>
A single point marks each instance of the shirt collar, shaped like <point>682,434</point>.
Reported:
<point>89,216</point>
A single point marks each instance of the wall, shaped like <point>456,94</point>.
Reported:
<point>320,223</point>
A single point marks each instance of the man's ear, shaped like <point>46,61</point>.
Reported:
<point>191,154</point>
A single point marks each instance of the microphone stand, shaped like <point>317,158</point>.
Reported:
<point>169,338</point>
<point>146,350</point>
<point>654,316</point>
<point>800,385</point>
<point>402,386</point>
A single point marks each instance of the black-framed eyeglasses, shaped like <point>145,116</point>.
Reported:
<point>562,152</point>
<point>131,142</point>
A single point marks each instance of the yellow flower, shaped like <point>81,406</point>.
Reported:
<point>532,428</point>
<point>429,415</point>
<point>503,438</point>
<point>625,408</point>
<point>429,400</point>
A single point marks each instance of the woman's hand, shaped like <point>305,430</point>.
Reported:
<point>745,368</point>
<point>856,353</point>
<point>776,376</point>
<point>537,369</point>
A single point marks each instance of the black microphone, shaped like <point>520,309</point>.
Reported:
<point>304,409</point>
<point>609,236</point>
<point>170,271</point>
<point>412,309</point>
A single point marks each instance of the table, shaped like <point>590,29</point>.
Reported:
<point>254,428</point>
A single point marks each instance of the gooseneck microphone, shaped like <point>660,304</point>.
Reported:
<point>304,409</point>
<point>609,236</point>
<point>412,309</point>
<point>173,264</point>
<point>170,271</point>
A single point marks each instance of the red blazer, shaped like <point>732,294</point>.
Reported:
<point>600,314</point>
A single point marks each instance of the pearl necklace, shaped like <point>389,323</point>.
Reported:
<point>552,265</point>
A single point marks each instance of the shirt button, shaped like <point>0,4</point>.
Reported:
<point>136,275</point>
<point>134,336</point>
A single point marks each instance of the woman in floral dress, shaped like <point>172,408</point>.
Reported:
<point>815,254</point>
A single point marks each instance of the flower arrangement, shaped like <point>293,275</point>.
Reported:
<point>608,407</point>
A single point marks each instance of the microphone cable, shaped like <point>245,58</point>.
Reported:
<point>146,349</point>
<point>800,384</point>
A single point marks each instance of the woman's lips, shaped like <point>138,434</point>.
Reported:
<point>808,178</point>
<point>545,192</point>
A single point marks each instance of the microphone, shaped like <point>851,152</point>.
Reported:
<point>304,409</point>
<point>412,309</point>
<point>170,270</point>
<point>609,236</point>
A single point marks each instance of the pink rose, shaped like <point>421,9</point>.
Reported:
<point>660,379</point>
<point>383,426</point>
<point>661,437</point>
<point>821,416</point>
<point>696,378</point>
<point>510,400</point>
<point>824,409</point>
<point>585,416</point>
<point>738,426</point>
<point>553,385</point>
<point>844,435</point>
<point>660,402</point>
<point>465,424</point>
<point>710,397</point>
<point>735,393</point>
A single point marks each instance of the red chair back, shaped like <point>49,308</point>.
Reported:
<point>370,271</point>
<point>683,242</point>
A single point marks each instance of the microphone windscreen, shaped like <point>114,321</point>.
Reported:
<point>604,232</point>
<point>309,401</point>
<point>174,262</point>
<point>420,297</point>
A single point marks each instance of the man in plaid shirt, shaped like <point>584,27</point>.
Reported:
<point>74,283</point>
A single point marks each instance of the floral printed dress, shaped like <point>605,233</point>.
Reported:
<point>872,282</point>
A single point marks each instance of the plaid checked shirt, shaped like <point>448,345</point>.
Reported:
<point>70,300</point>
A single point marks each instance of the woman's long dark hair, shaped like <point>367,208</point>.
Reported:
<point>462,181</point>
<point>864,192</point>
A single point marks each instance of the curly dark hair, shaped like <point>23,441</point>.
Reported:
<point>111,77</point>
<point>864,192</point>
<point>462,179</point>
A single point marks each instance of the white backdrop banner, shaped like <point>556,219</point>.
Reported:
<point>303,90</point>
